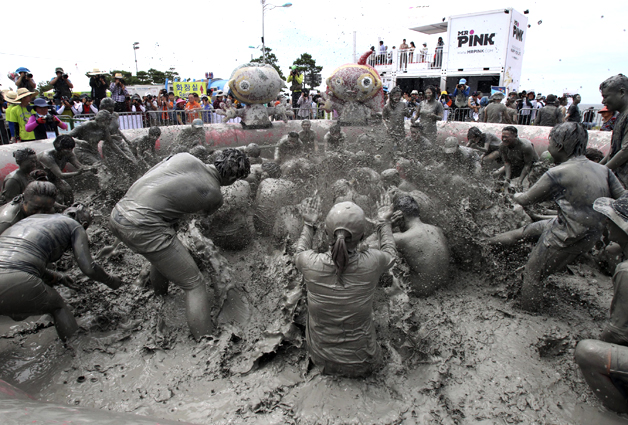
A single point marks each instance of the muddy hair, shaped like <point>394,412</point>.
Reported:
<point>39,175</point>
<point>407,205</point>
<point>21,155</point>
<point>572,137</point>
<point>232,162</point>
<point>594,155</point>
<point>474,132</point>
<point>64,142</point>
<point>618,81</point>
<point>339,251</point>
<point>293,134</point>
<point>272,169</point>
<point>40,188</point>
<point>511,129</point>
<point>154,131</point>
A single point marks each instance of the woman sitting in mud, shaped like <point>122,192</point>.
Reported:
<point>340,287</point>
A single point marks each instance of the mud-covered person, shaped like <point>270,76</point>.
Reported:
<point>460,159</point>
<point>253,153</point>
<point>38,198</point>
<point>308,137</point>
<point>289,147</point>
<point>26,284</point>
<point>16,181</point>
<point>144,220</point>
<point>54,161</point>
<point>423,246</point>
<point>145,148</point>
<point>604,362</point>
<point>335,139</point>
<point>88,136</point>
<point>487,143</point>
<point>340,285</point>
<point>615,98</point>
<point>416,145</point>
<point>518,156</point>
<point>574,184</point>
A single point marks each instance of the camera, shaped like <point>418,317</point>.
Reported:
<point>459,86</point>
<point>29,75</point>
<point>65,76</point>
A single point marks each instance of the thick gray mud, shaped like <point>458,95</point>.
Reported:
<point>465,355</point>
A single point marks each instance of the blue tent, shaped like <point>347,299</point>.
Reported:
<point>218,84</point>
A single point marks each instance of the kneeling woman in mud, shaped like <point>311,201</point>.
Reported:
<point>340,287</point>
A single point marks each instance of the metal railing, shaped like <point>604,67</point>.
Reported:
<point>402,60</point>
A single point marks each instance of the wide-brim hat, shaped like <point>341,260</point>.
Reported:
<point>414,92</point>
<point>9,96</point>
<point>23,92</point>
<point>41,103</point>
<point>97,71</point>
<point>21,69</point>
<point>615,209</point>
<point>118,75</point>
<point>180,101</point>
<point>220,93</point>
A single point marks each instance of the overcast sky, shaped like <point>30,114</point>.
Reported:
<point>574,48</point>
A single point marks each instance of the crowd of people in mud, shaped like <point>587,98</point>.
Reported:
<point>375,216</point>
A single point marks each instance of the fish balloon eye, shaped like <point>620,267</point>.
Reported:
<point>244,85</point>
<point>338,81</point>
<point>366,82</point>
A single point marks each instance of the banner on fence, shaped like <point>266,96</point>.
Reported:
<point>183,88</point>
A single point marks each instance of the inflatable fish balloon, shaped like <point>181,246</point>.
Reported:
<point>356,87</point>
<point>255,83</point>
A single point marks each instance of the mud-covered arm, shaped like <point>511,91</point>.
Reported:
<point>617,189</point>
<point>621,157</point>
<point>88,266</point>
<point>51,165</point>
<point>306,238</point>
<point>541,191</point>
<point>386,239</point>
<point>11,190</point>
<point>528,160</point>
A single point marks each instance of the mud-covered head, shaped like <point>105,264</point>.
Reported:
<point>197,123</point>
<point>306,124</point>
<point>255,83</point>
<point>39,198</point>
<point>451,145</point>
<point>232,165</point>
<point>154,132</point>
<point>407,205</point>
<point>353,82</point>
<point>431,93</point>
<point>253,150</point>
<point>200,152</point>
<point>81,213</point>
<point>569,137</point>
<point>474,135</point>
<point>345,225</point>
<point>103,117</point>
<point>390,177</point>
<point>272,169</point>
<point>510,135</point>
<point>594,155</point>
<point>341,187</point>
<point>107,104</point>
<point>615,92</point>
<point>395,94</point>
<point>64,144</point>
<point>26,158</point>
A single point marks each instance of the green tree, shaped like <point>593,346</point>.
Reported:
<point>271,59</point>
<point>171,74</point>
<point>307,65</point>
<point>143,78</point>
<point>43,86</point>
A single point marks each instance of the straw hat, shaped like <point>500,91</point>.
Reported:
<point>615,209</point>
<point>118,75</point>
<point>97,71</point>
<point>9,96</point>
<point>23,92</point>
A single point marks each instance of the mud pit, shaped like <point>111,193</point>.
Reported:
<point>465,355</point>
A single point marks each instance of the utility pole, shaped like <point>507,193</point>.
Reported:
<point>135,47</point>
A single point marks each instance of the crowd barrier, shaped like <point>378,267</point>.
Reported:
<point>524,117</point>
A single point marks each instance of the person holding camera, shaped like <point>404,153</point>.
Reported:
<point>62,85</point>
<point>25,79</point>
<point>136,104</point>
<point>118,93</point>
<point>296,78</point>
<point>305,106</point>
<point>99,86</point>
<point>43,124</point>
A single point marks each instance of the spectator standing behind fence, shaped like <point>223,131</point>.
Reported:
<point>19,116</point>
<point>24,79</point>
<point>85,106</point>
<point>207,109</point>
<point>474,106</point>
<point>573,113</point>
<point>219,98</point>
<point>61,84</point>
<point>424,50</point>
<point>461,95</point>
<point>43,124</point>
<point>403,50</point>
<point>118,93</point>
<point>305,106</point>
<point>98,84</point>
<point>382,53</point>
<point>608,119</point>
<point>438,56</point>
<point>180,111</point>
<point>136,104</point>
<point>412,48</point>
<point>296,84</point>
<point>526,105</point>
<point>192,108</point>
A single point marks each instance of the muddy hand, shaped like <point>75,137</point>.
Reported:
<point>108,250</point>
<point>310,209</point>
<point>384,207</point>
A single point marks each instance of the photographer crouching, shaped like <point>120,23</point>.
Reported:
<point>43,123</point>
<point>62,85</point>
<point>119,93</point>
